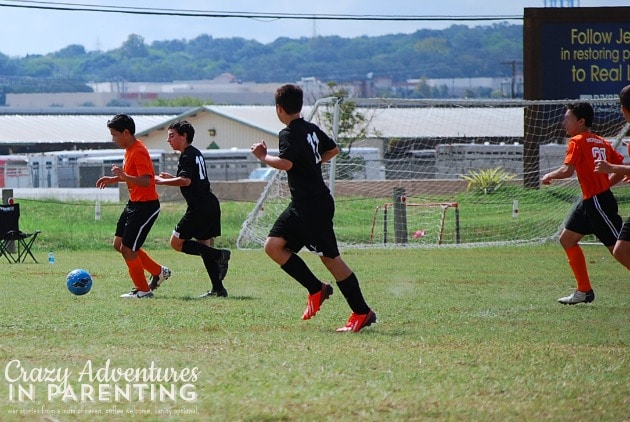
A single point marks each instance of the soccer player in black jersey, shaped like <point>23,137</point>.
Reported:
<point>308,220</point>
<point>202,220</point>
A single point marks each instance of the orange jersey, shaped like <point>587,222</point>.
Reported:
<point>582,151</point>
<point>138,162</point>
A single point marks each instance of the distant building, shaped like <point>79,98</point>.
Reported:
<point>227,90</point>
<point>224,127</point>
<point>34,130</point>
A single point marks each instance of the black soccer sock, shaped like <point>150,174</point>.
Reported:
<point>213,272</point>
<point>191,247</point>
<point>297,269</point>
<point>352,292</point>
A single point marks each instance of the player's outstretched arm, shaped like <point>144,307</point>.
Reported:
<point>616,178</point>
<point>563,172</point>
<point>603,166</point>
<point>166,179</point>
<point>106,181</point>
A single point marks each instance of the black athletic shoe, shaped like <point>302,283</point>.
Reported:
<point>215,293</point>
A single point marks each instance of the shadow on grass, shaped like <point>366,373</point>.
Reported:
<point>216,299</point>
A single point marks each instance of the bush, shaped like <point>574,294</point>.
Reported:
<point>487,181</point>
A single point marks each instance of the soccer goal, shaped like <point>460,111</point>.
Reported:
<point>390,222</point>
<point>468,171</point>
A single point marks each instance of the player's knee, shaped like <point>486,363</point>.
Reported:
<point>176,244</point>
<point>620,254</point>
<point>274,248</point>
<point>127,253</point>
<point>270,249</point>
<point>567,243</point>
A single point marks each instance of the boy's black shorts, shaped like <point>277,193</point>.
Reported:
<point>309,223</point>
<point>136,221</point>
<point>598,215</point>
<point>625,231</point>
<point>200,222</point>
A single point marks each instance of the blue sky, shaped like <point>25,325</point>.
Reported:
<point>29,31</point>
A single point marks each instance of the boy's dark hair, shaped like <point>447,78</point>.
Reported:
<point>583,111</point>
<point>182,128</point>
<point>290,98</point>
<point>120,122</point>
<point>624,97</point>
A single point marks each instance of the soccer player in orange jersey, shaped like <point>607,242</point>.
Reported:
<point>141,211</point>
<point>597,213</point>
<point>621,251</point>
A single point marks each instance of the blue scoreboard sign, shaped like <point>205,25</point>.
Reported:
<point>576,53</point>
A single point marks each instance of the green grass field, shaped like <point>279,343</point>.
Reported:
<point>463,334</point>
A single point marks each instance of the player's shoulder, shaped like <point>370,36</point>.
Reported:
<point>138,148</point>
<point>301,123</point>
<point>190,151</point>
<point>583,137</point>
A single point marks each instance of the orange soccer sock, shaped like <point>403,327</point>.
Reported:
<point>578,265</point>
<point>136,271</point>
<point>148,263</point>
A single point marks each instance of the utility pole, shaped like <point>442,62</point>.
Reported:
<point>513,63</point>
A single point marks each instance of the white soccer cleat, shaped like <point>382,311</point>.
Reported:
<point>137,294</point>
<point>578,297</point>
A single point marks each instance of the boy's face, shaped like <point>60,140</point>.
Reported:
<point>626,113</point>
<point>122,139</point>
<point>176,141</point>
<point>572,124</point>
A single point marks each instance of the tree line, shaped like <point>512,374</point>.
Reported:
<point>457,51</point>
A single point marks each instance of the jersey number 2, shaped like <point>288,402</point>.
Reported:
<point>599,153</point>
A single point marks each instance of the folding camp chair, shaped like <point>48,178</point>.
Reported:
<point>15,245</point>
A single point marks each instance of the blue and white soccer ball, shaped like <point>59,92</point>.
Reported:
<point>79,282</point>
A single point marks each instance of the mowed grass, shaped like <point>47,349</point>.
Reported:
<point>463,334</point>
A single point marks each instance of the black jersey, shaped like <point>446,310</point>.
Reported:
<point>193,166</point>
<point>303,143</point>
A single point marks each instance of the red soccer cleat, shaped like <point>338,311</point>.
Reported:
<point>356,322</point>
<point>314,301</point>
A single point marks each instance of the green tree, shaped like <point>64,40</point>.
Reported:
<point>457,51</point>
<point>73,50</point>
<point>8,67</point>
<point>134,47</point>
<point>353,126</point>
<point>38,66</point>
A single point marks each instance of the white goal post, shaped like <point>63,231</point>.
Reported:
<point>401,183</point>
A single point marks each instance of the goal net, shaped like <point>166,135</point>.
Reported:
<point>429,173</point>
